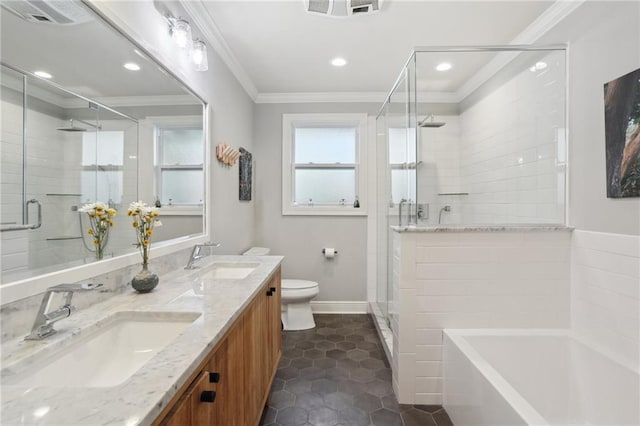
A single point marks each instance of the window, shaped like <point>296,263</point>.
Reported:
<point>102,166</point>
<point>323,170</point>
<point>179,159</point>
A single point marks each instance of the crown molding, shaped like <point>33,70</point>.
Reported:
<point>135,101</point>
<point>319,97</point>
<point>554,14</point>
<point>205,22</point>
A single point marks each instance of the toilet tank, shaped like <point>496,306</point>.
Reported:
<point>257,251</point>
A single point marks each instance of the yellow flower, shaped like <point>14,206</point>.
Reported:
<point>92,214</point>
<point>145,242</point>
<point>110,222</point>
<point>149,232</point>
<point>96,241</point>
<point>154,213</point>
<point>135,224</point>
<point>129,213</point>
<point>111,212</point>
<point>90,231</point>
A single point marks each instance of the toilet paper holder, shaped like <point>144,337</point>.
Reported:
<point>335,252</point>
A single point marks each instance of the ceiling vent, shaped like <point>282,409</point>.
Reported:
<point>61,12</point>
<point>343,8</point>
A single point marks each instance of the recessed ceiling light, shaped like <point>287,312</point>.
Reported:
<point>338,62</point>
<point>131,66</point>
<point>43,74</point>
<point>444,66</point>
<point>541,65</point>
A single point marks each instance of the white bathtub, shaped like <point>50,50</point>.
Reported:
<point>534,377</point>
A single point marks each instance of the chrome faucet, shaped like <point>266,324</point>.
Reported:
<point>195,254</point>
<point>43,325</point>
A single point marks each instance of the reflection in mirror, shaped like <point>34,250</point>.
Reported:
<point>94,132</point>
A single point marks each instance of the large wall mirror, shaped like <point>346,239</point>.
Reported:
<point>87,116</point>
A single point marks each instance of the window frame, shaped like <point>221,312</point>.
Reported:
<point>292,121</point>
<point>171,123</point>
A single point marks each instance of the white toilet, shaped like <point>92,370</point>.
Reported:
<point>296,298</point>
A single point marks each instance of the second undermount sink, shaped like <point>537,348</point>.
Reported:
<point>231,270</point>
<point>105,355</point>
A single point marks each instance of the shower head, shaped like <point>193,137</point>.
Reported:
<point>429,122</point>
<point>72,128</point>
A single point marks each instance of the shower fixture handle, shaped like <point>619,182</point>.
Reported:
<point>402,201</point>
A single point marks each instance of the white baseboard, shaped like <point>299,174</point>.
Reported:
<point>339,307</point>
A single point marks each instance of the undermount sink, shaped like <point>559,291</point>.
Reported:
<point>110,352</point>
<point>231,270</point>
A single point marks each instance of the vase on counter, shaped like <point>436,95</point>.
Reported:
<point>145,280</point>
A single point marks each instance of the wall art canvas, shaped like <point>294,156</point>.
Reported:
<point>245,174</point>
<point>622,135</point>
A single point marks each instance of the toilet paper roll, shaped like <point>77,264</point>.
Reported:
<point>329,253</point>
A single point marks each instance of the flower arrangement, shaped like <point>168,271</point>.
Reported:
<point>144,220</point>
<point>100,220</point>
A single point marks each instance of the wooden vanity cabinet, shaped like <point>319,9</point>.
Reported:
<point>238,372</point>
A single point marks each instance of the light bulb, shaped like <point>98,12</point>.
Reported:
<point>199,55</point>
<point>181,33</point>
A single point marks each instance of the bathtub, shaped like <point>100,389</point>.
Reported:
<point>534,377</point>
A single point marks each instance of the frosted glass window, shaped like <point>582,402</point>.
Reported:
<point>109,146</point>
<point>325,186</point>
<point>107,188</point>
<point>181,146</point>
<point>182,186</point>
<point>325,145</point>
<point>399,139</point>
<point>400,184</point>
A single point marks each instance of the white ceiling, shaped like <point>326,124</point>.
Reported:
<point>283,49</point>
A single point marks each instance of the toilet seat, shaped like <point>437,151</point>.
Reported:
<point>298,284</point>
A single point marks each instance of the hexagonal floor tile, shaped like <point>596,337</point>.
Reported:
<point>309,401</point>
<point>292,416</point>
<point>336,354</point>
<point>324,386</point>
<point>384,417</point>
<point>287,373</point>
<point>323,417</point>
<point>357,354</point>
<point>367,402</point>
<point>335,338</point>
<point>346,346</point>
<point>301,363</point>
<point>312,373</point>
<point>281,399</point>
<point>313,354</point>
<point>298,386</point>
<point>324,363</point>
<point>325,345</point>
<point>369,364</point>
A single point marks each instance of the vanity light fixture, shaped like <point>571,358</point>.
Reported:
<point>180,31</point>
<point>43,74</point>
<point>444,66</point>
<point>132,66</point>
<point>338,62</point>
<point>199,55</point>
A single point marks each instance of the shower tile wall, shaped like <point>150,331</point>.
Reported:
<point>49,166</point>
<point>440,171</point>
<point>512,142</point>
<point>470,280</point>
<point>605,293</point>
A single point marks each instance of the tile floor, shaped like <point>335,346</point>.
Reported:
<point>337,375</point>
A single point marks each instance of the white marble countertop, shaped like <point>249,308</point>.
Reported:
<point>141,398</point>
<point>480,228</point>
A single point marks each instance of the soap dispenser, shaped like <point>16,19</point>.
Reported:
<point>356,203</point>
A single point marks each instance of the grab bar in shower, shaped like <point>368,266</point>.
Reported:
<point>37,225</point>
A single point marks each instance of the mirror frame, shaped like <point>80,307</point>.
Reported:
<point>27,287</point>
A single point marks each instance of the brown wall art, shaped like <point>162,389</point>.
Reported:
<point>622,135</point>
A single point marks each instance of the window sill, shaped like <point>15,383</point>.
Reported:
<point>324,211</point>
<point>180,211</point>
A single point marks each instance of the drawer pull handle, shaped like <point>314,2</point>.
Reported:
<point>214,377</point>
<point>269,293</point>
<point>272,289</point>
<point>208,396</point>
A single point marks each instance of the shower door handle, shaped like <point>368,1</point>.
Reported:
<point>36,202</point>
<point>24,226</point>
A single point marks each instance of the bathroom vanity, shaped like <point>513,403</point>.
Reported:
<point>202,348</point>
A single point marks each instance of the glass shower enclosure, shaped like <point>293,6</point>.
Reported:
<point>470,136</point>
